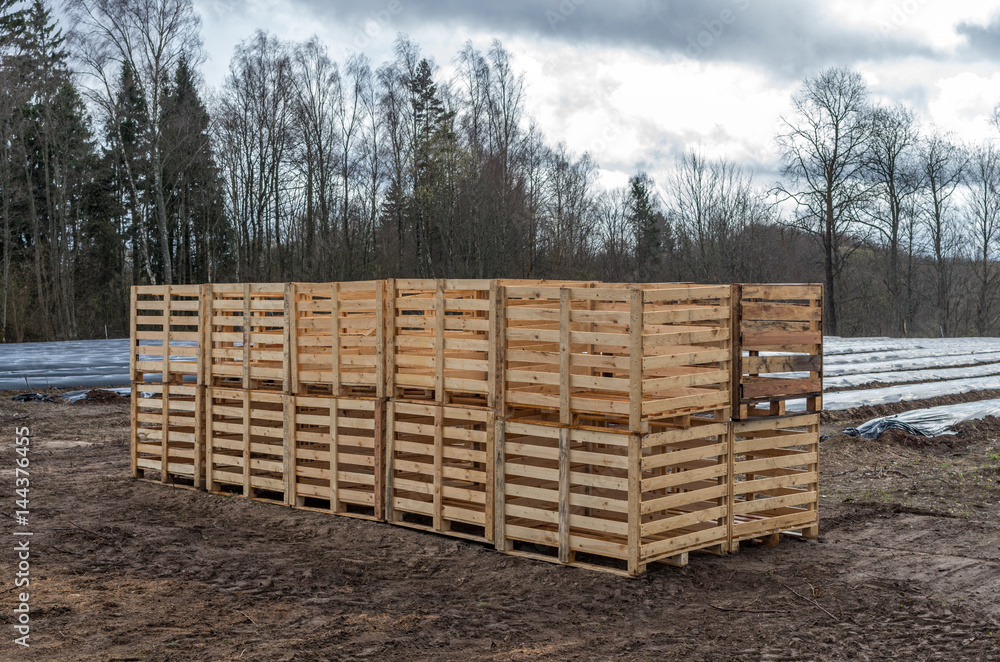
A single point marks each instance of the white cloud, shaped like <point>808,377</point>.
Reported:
<point>637,107</point>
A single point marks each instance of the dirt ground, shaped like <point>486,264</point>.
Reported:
<point>907,566</point>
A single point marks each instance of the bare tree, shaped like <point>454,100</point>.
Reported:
<point>984,227</point>
<point>714,209</point>
<point>317,89</point>
<point>823,146</point>
<point>943,165</point>
<point>892,170</point>
<point>254,132</point>
<point>567,211</point>
<point>615,234</point>
<point>150,37</point>
<point>349,111</point>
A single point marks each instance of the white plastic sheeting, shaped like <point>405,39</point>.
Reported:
<point>909,354</point>
<point>836,369</point>
<point>69,364</point>
<point>834,346</point>
<point>935,421</point>
<point>848,381</point>
<point>103,363</point>
<point>880,396</point>
<point>923,368</point>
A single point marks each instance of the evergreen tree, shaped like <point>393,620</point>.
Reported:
<point>645,220</point>
<point>435,145</point>
<point>192,190</point>
<point>126,129</point>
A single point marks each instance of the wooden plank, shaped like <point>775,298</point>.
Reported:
<point>781,388</point>
<point>500,480</point>
<point>564,493</point>
<point>792,363</point>
<point>378,451</point>
<point>634,500</point>
<point>167,377</point>
<point>288,444</point>
<point>246,354</point>
<point>165,428</point>
<point>781,338</point>
<point>381,303</point>
<point>199,438</point>
<point>565,414</point>
<point>635,360</point>
<point>247,489</point>
<point>783,292</point>
<point>779,312</point>
<point>335,339</point>
<point>134,429</point>
<point>289,359</point>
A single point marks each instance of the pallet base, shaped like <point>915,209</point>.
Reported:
<point>774,539</point>
<point>452,533</point>
<point>677,560</point>
<point>180,486</point>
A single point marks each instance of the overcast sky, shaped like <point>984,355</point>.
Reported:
<point>636,82</point>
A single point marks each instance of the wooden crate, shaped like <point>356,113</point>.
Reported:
<point>348,480</point>
<point>166,333</point>
<point>245,443</point>
<point>439,468</point>
<point>631,353</point>
<point>247,340</point>
<point>778,346</point>
<point>167,435</point>
<point>776,471</point>
<point>611,500</point>
<point>442,341</point>
<point>343,358</point>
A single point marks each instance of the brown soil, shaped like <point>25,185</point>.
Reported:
<point>102,395</point>
<point>907,566</point>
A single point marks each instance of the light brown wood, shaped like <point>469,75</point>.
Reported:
<point>587,419</point>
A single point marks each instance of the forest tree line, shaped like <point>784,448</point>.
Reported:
<point>119,167</point>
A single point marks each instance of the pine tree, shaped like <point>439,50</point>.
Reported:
<point>126,129</point>
<point>50,154</point>
<point>191,182</point>
<point>645,220</point>
<point>434,148</point>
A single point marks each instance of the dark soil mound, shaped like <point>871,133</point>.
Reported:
<point>102,396</point>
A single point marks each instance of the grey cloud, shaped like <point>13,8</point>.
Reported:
<point>982,40</point>
<point>789,38</point>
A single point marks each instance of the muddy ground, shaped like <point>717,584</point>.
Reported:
<point>907,566</point>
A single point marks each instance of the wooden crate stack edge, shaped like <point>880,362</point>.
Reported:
<point>462,407</point>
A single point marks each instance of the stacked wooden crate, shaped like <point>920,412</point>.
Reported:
<point>596,425</point>
<point>614,434</point>
<point>443,393</point>
<point>295,383</point>
<point>166,363</point>
<point>778,348</point>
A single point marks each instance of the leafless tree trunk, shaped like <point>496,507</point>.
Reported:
<point>984,225</point>
<point>150,37</point>
<point>943,165</point>
<point>892,170</point>
<point>823,144</point>
<point>256,143</point>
